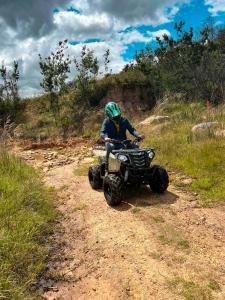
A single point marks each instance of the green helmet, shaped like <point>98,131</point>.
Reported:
<point>112,110</point>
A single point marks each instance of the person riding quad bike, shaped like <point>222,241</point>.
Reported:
<point>122,164</point>
<point>114,127</point>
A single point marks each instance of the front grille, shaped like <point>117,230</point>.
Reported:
<point>139,159</point>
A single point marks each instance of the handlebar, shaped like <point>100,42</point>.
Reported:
<point>125,141</point>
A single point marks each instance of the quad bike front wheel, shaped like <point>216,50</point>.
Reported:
<point>94,176</point>
<point>160,179</point>
<point>112,187</point>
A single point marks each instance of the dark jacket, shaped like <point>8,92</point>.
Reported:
<point>109,129</point>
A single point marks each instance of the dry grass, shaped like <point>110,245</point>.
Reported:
<point>190,290</point>
<point>200,156</point>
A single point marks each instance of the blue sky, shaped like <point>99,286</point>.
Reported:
<point>195,14</point>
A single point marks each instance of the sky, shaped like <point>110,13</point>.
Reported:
<point>28,28</point>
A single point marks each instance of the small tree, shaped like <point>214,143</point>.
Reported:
<point>55,69</point>
<point>87,68</point>
<point>106,61</point>
<point>87,71</point>
<point>9,95</point>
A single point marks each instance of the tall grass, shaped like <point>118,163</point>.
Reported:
<point>201,156</point>
<point>26,212</point>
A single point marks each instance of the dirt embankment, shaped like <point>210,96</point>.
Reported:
<point>150,247</point>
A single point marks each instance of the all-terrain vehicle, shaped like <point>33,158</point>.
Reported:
<point>129,166</point>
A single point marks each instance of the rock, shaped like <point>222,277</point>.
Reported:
<point>203,219</point>
<point>53,289</point>
<point>155,120</point>
<point>88,160</point>
<point>46,169</point>
<point>50,158</point>
<point>220,133</point>
<point>204,126</point>
<point>187,181</point>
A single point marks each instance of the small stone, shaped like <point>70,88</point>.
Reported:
<point>187,181</point>
<point>220,133</point>
<point>53,288</point>
<point>204,126</point>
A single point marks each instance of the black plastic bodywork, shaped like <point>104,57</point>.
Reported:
<point>137,169</point>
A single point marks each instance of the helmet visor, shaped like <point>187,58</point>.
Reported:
<point>117,118</point>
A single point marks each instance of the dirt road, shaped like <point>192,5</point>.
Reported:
<point>150,247</point>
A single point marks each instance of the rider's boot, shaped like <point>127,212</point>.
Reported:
<point>106,168</point>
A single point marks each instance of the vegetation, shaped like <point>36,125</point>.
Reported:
<point>69,102</point>
<point>55,69</point>
<point>188,65</point>
<point>190,290</point>
<point>10,104</point>
<point>26,212</point>
<point>200,156</point>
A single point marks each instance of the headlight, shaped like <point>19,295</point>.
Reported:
<point>151,154</point>
<point>122,158</point>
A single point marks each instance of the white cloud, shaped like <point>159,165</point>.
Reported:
<point>79,26</point>
<point>215,6</point>
<point>159,33</point>
<point>132,36</point>
<point>133,12</point>
<point>98,19</point>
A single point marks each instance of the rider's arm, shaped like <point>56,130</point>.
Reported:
<point>104,130</point>
<point>132,130</point>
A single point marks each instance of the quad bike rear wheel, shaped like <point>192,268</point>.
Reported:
<point>113,187</point>
<point>94,175</point>
<point>160,179</point>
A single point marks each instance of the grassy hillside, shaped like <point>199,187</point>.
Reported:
<point>201,156</point>
<point>38,121</point>
<point>26,211</point>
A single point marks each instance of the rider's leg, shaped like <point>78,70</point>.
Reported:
<point>109,148</point>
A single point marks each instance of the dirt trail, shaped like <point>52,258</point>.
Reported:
<point>152,247</point>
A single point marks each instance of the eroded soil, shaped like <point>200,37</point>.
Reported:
<point>150,247</point>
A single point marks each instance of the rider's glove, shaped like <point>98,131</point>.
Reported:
<point>141,137</point>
